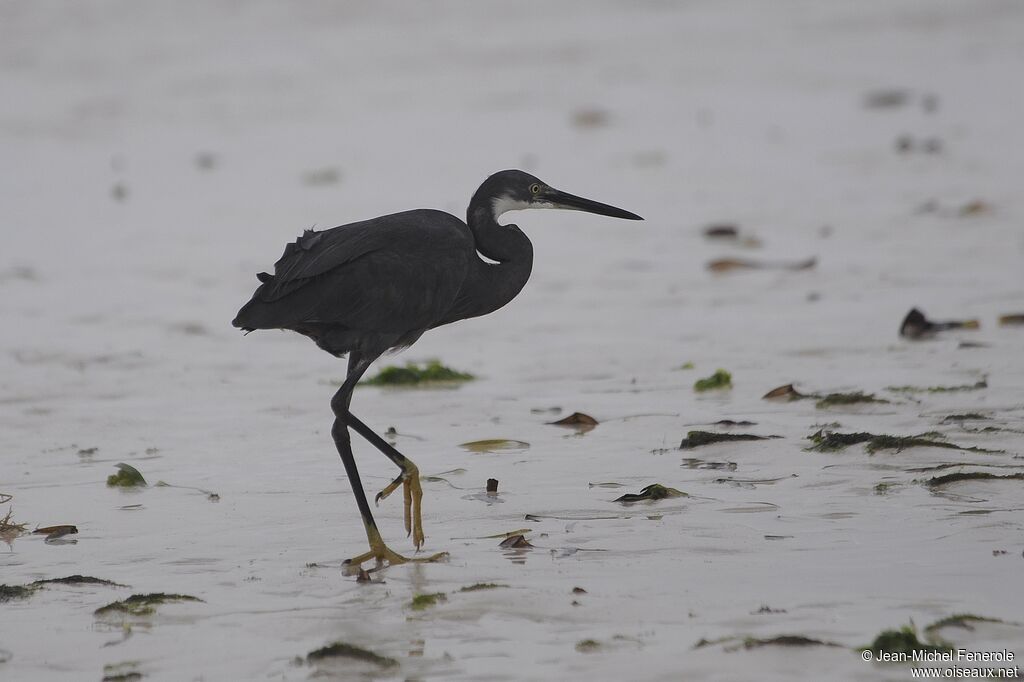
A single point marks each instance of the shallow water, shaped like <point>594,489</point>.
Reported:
<point>117,335</point>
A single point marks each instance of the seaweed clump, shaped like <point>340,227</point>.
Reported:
<point>423,601</point>
<point>720,379</point>
<point>853,398</point>
<point>697,438</point>
<point>142,604</point>
<point>127,476</point>
<point>946,479</point>
<point>652,492</point>
<point>11,592</point>
<point>343,650</point>
<point>413,373</point>
<point>831,441</point>
<point>896,642</point>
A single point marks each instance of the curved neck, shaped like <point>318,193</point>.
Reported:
<point>497,283</point>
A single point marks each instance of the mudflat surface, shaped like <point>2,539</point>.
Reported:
<point>157,157</point>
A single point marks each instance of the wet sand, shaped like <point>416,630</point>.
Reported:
<point>158,158</point>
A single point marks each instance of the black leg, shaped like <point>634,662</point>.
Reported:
<point>343,418</point>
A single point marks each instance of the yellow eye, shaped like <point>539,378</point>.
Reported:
<point>534,188</point>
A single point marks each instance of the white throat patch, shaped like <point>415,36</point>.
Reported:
<point>505,204</point>
<point>501,205</point>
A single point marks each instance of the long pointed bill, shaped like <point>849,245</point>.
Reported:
<point>572,202</point>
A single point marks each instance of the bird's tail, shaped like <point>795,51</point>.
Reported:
<point>250,317</point>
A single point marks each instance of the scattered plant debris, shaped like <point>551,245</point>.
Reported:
<point>54,532</point>
<point>958,620</point>
<point>735,643</point>
<point>720,379</point>
<point>722,231</point>
<point>9,529</point>
<point>946,479</point>
<point>586,646</point>
<point>976,386</point>
<point>729,422</point>
<point>78,580</point>
<point>423,601</point>
<point>902,641</point>
<point>518,541</point>
<point>831,441</point>
<point>652,492</point>
<point>974,207</point>
<point>606,485</point>
<point>695,439</point>
<point>1011,320</point>
<point>686,365</point>
<point>413,374</point>
<point>765,609</point>
<point>577,420</point>
<point>784,640</point>
<point>729,264</point>
<point>343,650</point>
<point>142,604</point>
<point>969,416</point>
<point>495,445</point>
<point>11,592</point>
<point>789,393</point>
<point>122,672</point>
<point>786,392</point>
<point>695,463</point>
<point>916,326</point>
<point>127,476</point>
<point>478,587</point>
<point>833,399</point>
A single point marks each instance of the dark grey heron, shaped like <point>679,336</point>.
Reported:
<point>364,288</point>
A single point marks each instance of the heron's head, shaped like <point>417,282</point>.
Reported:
<point>513,190</point>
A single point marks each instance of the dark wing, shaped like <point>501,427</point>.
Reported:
<point>392,275</point>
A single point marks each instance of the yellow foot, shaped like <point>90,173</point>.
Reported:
<point>409,479</point>
<point>384,556</point>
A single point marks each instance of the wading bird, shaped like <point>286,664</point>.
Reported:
<point>364,288</point>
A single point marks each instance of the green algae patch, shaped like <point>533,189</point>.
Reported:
<point>737,643</point>
<point>78,580</point>
<point>586,646</point>
<point>719,380</point>
<point>895,644</point>
<point>414,374</point>
<point>968,416</point>
<point>127,671</point>
<point>832,441</point>
<point>142,604</point>
<point>652,493</point>
<point>841,399</point>
<point>946,479</point>
<point>425,601</point>
<point>977,386</point>
<point>479,587</point>
<point>127,476</point>
<point>784,640</point>
<point>344,650</point>
<point>695,439</point>
<point>12,592</point>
